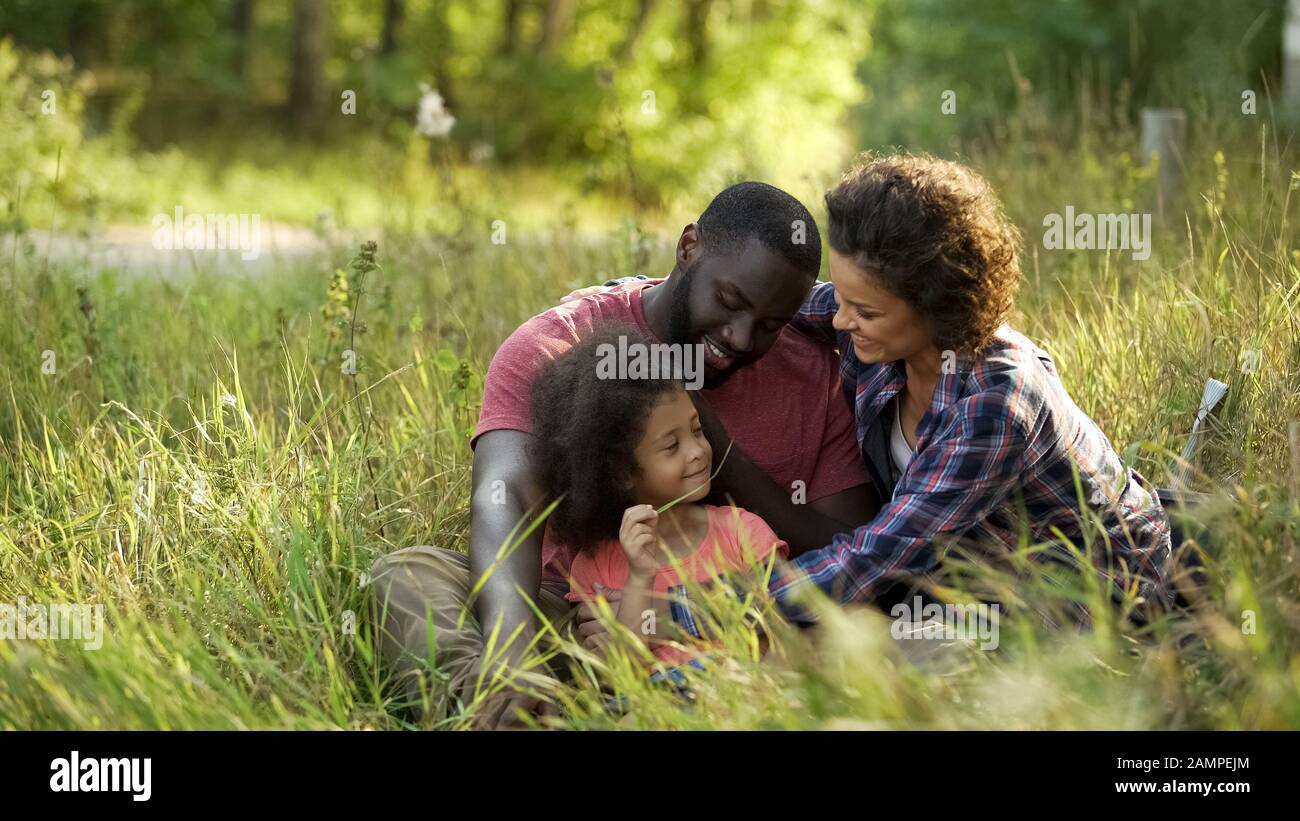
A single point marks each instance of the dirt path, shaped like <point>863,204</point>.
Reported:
<point>131,248</point>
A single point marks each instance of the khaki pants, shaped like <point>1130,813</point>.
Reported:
<point>421,592</point>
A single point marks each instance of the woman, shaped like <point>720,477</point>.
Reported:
<point>964,422</point>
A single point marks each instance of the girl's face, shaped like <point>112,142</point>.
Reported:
<point>673,456</point>
<point>884,327</point>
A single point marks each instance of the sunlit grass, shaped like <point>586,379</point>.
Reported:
<point>199,463</point>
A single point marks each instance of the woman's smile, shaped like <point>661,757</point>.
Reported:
<point>862,341</point>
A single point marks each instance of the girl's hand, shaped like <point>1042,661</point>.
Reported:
<point>639,536</point>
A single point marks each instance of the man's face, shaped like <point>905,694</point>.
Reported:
<point>736,306</point>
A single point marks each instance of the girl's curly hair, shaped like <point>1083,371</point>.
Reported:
<point>931,232</point>
<point>586,431</point>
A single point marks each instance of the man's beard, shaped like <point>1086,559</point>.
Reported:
<point>679,310</point>
<point>681,325</point>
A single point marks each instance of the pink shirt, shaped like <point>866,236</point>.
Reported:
<point>736,540</point>
<point>787,411</point>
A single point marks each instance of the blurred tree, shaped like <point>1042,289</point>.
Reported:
<point>559,19</point>
<point>510,28</point>
<point>442,44</point>
<point>241,29</point>
<point>394,12</point>
<point>1111,56</point>
<point>695,28</point>
<point>306,83</point>
<point>644,8</point>
<point>84,25</point>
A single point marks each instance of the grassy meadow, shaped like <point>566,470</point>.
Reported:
<point>198,462</point>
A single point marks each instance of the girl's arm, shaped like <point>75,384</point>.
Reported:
<point>636,610</point>
<point>639,536</point>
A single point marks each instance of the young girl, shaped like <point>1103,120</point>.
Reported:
<point>615,451</point>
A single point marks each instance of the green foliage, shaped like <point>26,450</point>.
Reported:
<point>1074,55</point>
<point>41,102</point>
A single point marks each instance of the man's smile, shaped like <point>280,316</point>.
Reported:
<point>716,356</point>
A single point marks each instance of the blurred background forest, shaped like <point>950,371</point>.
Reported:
<point>644,100</point>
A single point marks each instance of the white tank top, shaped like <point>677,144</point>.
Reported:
<point>899,450</point>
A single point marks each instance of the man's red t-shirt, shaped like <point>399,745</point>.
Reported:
<point>786,411</point>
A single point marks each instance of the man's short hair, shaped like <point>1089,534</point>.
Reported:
<point>756,210</point>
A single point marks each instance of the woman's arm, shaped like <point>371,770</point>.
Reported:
<point>815,315</point>
<point>950,487</point>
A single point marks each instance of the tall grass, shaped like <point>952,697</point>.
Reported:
<point>199,463</point>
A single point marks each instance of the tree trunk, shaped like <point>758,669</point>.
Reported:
<point>441,46</point>
<point>555,26</point>
<point>306,85</point>
<point>1291,58</point>
<point>510,29</point>
<point>697,34</point>
<point>241,27</point>
<point>394,13</point>
<point>644,9</point>
<point>84,29</point>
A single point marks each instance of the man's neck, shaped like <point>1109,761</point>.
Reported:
<point>656,304</point>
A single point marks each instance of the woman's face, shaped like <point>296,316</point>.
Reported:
<point>673,456</point>
<point>884,327</point>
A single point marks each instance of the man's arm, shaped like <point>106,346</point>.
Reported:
<point>803,526</point>
<point>503,456</point>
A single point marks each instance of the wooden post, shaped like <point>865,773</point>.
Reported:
<point>1291,59</point>
<point>1162,136</point>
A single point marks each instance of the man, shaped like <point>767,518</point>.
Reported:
<point>741,273</point>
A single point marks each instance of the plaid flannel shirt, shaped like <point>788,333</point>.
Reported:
<point>1002,451</point>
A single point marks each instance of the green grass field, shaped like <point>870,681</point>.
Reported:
<point>198,462</point>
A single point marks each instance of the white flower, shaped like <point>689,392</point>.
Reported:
<point>199,492</point>
<point>229,400</point>
<point>432,120</point>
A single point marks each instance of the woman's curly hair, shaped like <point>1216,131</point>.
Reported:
<point>931,232</point>
<point>586,433</point>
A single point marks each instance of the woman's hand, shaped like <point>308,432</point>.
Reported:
<point>582,292</point>
<point>639,536</point>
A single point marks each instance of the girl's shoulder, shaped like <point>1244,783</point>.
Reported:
<point>740,532</point>
<point>729,515</point>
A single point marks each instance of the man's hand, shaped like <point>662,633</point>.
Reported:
<point>503,710</point>
<point>594,634</point>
